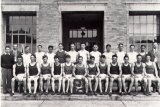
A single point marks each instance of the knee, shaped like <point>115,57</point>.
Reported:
<point>24,79</point>
<point>13,79</point>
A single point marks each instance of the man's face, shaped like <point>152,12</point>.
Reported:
<point>27,50</point>
<point>139,58</point>
<point>108,48</point>
<point>45,60</point>
<point>60,47</point>
<point>132,48</point>
<point>114,59</point>
<point>148,58</point>
<point>39,48</point>
<point>80,60</point>
<point>72,46</point>
<point>92,60</point>
<point>103,60</point>
<point>7,50</point>
<point>15,47</point>
<point>68,59</point>
<point>126,59</point>
<point>155,45</point>
<point>56,60</point>
<point>50,50</point>
<point>120,47</point>
<point>33,58</point>
<point>143,48</point>
<point>83,46</point>
<point>95,47</point>
<point>19,60</point>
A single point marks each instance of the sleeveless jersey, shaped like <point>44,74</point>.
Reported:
<point>57,69</point>
<point>114,69</point>
<point>92,70</point>
<point>138,70</point>
<point>80,70</point>
<point>61,56</point>
<point>126,69</point>
<point>68,69</point>
<point>103,69</point>
<point>33,70</point>
<point>150,69</point>
<point>19,69</point>
<point>45,69</point>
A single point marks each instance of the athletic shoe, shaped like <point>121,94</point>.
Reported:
<point>24,93</point>
<point>94,92</point>
<point>46,93</point>
<point>101,93</point>
<point>53,93</point>
<point>11,94</point>
<point>34,94</point>
<point>135,94</point>
<point>41,93</point>
<point>29,94</point>
<point>110,93</point>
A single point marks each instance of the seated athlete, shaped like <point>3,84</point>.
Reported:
<point>33,71</point>
<point>19,74</point>
<point>80,73</point>
<point>56,75</point>
<point>103,74</point>
<point>127,75</point>
<point>115,72</point>
<point>151,74</point>
<point>67,74</point>
<point>45,74</point>
<point>138,69</point>
<point>93,73</point>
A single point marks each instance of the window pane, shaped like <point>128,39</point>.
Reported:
<point>130,28</point>
<point>80,33</point>
<point>131,19</point>
<point>150,19</point>
<point>22,29</point>
<point>143,19</point>
<point>29,20</point>
<point>74,33</point>
<point>89,33</point>
<point>16,20</point>
<point>94,33</point>
<point>150,28</point>
<point>8,38</point>
<point>34,20</point>
<point>70,33</point>
<point>10,20</point>
<point>22,20</point>
<point>143,28</point>
<point>28,38</point>
<point>137,28</point>
<point>136,19</point>
<point>21,38</point>
<point>15,38</point>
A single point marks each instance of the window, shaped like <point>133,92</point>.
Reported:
<point>143,29</point>
<point>21,30</point>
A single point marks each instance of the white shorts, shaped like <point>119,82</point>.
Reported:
<point>115,76</point>
<point>92,76</point>
<point>20,77</point>
<point>45,76</point>
<point>79,77</point>
<point>103,76</point>
<point>128,76</point>
<point>56,77</point>
<point>33,78</point>
<point>152,77</point>
<point>139,77</point>
<point>68,76</point>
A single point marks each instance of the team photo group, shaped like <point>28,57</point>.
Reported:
<point>56,73</point>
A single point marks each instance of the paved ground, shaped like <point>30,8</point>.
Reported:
<point>41,103</point>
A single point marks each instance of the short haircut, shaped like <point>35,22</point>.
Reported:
<point>126,56</point>
<point>108,45</point>
<point>60,44</point>
<point>56,57</point>
<point>33,55</point>
<point>19,56</point>
<point>139,55</point>
<point>80,57</point>
<point>50,46</point>
<point>72,44</point>
<point>102,56</point>
<point>45,56</point>
<point>92,57</point>
<point>83,43</point>
<point>68,56</point>
<point>114,55</point>
<point>148,55</point>
<point>132,45</point>
<point>40,46</point>
<point>15,44</point>
<point>120,44</point>
<point>8,47</point>
<point>143,46</point>
<point>26,47</point>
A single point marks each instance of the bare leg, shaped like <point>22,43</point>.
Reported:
<point>71,85</point>
<point>48,83</point>
<point>131,85</point>
<point>106,84</point>
<point>29,85</point>
<point>86,85</point>
<point>35,85</point>
<point>13,84</point>
<point>100,85</point>
<point>24,84</point>
<point>68,84</point>
<point>63,84</point>
<point>96,84</point>
<point>90,84</point>
<point>53,85</point>
<point>60,83</point>
<point>120,85</point>
<point>111,84</point>
<point>41,84</point>
<point>123,84</point>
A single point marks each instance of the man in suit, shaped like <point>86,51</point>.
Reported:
<point>15,52</point>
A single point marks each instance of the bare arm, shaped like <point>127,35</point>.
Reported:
<point>98,70</point>
<point>39,70</point>
<point>108,70</point>
<point>120,70</point>
<point>52,70</point>
<point>132,69</point>
<point>14,71</point>
<point>61,70</point>
<point>74,68</point>
<point>155,68</point>
<point>86,70</point>
<point>144,70</point>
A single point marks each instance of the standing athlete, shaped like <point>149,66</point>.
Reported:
<point>61,54</point>
<point>120,53</point>
<point>95,53</point>
<point>73,54</point>
<point>108,54</point>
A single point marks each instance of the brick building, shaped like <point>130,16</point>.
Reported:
<point>49,22</point>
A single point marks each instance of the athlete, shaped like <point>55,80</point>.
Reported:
<point>45,74</point>
<point>50,54</point>
<point>61,54</point>
<point>73,54</point>
<point>67,74</point>
<point>19,74</point>
<point>93,73</point>
<point>108,54</point>
<point>143,53</point>
<point>103,74</point>
<point>95,53</point>
<point>151,74</point>
<point>132,54</point>
<point>120,53</point>
<point>79,73</point>
<point>33,71</point>
<point>115,72</point>
<point>127,75</point>
<point>138,69</point>
<point>39,54</point>
<point>56,75</point>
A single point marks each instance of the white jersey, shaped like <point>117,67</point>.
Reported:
<point>84,54</point>
<point>108,56</point>
<point>39,57</point>
<point>50,57</point>
<point>132,56</point>
<point>26,58</point>
<point>120,56</point>
<point>73,55</point>
<point>97,55</point>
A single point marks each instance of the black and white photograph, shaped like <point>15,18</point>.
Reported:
<point>80,53</point>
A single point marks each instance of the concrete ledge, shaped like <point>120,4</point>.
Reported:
<point>114,97</point>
